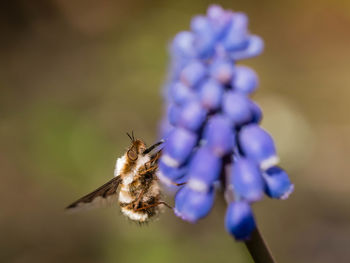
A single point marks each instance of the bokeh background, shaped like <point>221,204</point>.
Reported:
<point>76,75</point>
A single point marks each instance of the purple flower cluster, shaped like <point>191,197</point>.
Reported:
<point>211,127</point>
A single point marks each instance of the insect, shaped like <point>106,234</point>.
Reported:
<point>135,173</point>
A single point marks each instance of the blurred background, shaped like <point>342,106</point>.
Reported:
<point>76,75</point>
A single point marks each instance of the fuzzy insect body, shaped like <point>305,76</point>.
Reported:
<point>135,172</point>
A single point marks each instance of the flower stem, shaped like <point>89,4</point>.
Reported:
<point>256,245</point>
<point>258,248</point>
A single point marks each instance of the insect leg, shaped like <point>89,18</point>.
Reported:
<point>136,203</point>
<point>173,183</point>
<point>153,205</point>
<point>148,170</point>
<point>156,157</point>
<point>153,160</point>
<point>176,184</point>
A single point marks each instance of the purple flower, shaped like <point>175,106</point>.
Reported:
<point>236,37</point>
<point>237,107</point>
<point>258,145</point>
<point>181,94</point>
<point>256,112</point>
<point>182,45</point>
<point>174,113</point>
<point>239,220</point>
<point>193,73</point>
<point>247,180</point>
<point>178,147</point>
<point>245,80</point>
<point>192,115</point>
<point>192,205</point>
<point>204,169</point>
<point>210,94</point>
<point>222,70</point>
<point>211,126</point>
<point>277,183</point>
<point>166,172</point>
<point>220,135</point>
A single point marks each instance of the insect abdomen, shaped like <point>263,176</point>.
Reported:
<point>133,209</point>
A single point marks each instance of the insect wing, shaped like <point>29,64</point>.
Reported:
<point>102,196</point>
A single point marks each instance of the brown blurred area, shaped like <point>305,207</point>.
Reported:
<point>76,75</point>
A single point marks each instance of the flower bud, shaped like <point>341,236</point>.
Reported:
<point>181,94</point>
<point>239,220</point>
<point>256,113</point>
<point>210,94</point>
<point>258,145</point>
<point>200,25</point>
<point>182,44</point>
<point>222,70</point>
<point>254,47</point>
<point>192,115</point>
<point>174,113</point>
<point>245,80</point>
<point>219,19</point>
<point>204,169</point>
<point>165,128</point>
<point>215,12</point>
<point>220,135</point>
<point>247,180</point>
<point>236,107</point>
<point>168,174</point>
<point>205,37</point>
<point>192,205</point>
<point>193,73</point>
<point>178,147</point>
<point>236,36</point>
<point>277,183</point>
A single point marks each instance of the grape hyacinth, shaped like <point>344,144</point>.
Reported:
<point>211,126</point>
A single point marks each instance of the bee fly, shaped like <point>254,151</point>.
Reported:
<point>135,172</point>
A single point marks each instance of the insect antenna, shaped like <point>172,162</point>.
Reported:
<point>131,137</point>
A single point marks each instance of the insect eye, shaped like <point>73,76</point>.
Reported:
<point>132,155</point>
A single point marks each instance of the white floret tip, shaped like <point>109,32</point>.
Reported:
<point>198,185</point>
<point>269,162</point>
<point>169,161</point>
<point>287,193</point>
